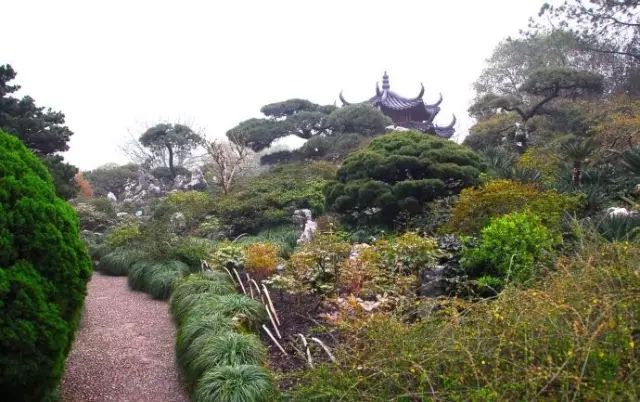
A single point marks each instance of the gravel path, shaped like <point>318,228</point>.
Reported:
<point>123,350</point>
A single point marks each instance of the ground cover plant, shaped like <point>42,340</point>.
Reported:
<point>219,357</point>
<point>44,267</point>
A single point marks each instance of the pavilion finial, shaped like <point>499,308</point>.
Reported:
<point>385,82</point>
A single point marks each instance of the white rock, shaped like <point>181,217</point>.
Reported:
<point>112,197</point>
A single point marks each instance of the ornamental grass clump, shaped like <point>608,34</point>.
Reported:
<point>194,288</point>
<point>236,384</point>
<point>119,261</point>
<point>156,278</point>
<point>44,268</point>
<point>240,307</point>
<point>206,353</point>
<point>211,325</point>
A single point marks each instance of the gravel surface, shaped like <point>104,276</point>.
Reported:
<point>123,350</point>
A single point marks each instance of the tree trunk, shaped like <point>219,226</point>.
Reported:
<point>171,168</point>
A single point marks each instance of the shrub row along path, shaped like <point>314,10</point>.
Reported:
<point>123,350</point>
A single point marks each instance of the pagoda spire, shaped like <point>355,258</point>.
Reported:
<point>385,82</point>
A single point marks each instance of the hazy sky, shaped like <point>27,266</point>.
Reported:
<point>116,67</point>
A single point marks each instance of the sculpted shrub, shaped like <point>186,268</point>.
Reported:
<point>398,173</point>
<point>510,247</point>
<point>124,235</point>
<point>476,206</point>
<point>44,267</point>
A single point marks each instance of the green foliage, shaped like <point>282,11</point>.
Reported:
<point>270,199</point>
<point>619,228</point>
<point>213,282</point>
<point>244,309</point>
<point>169,142</point>
<point>111,179</point>
<point>192,329</point>
<point>334,147</point>
<point>316,265</point>
<point>285,236</point>
<point>93,217</point>
<point>408,253</point>
<point>156,278</point>
<point>236,384</point>
<point>119,261</point>
<point>194,205</point>
<point>40,129</point>
<point>44,267</point>
<point>123,235</point>
<point>476,206</point>
<point>360,118</point>
<point>571,336</point>
<point>399,172</point>
<point>228,254</point>
<point>192,250</point>
<point>229,348</point>
<point>511,247</point>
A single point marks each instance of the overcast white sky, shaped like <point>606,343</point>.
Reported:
<point>115,67</point>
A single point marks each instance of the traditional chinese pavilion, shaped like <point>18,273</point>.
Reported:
<point>408,112</point>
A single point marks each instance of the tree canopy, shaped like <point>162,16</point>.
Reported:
<point>306,120</point>
<point>41,129</point>
<point>169,142</point>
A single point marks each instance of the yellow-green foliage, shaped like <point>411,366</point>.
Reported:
<point>123,235</point>
<point>543,161</point>
<point>510,247</point>
<point>571,337</point>
<point>261,259</point>
<point>476,206</point>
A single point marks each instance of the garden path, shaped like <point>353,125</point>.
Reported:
<point>123,349</point>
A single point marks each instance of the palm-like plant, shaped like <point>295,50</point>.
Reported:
<point>577,152</point>
<point>631,160</point>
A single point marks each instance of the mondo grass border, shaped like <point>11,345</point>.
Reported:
<point>219,358</point>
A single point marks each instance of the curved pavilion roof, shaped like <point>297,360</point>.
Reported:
<point>385,98</point>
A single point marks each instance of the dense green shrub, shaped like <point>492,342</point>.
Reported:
<point>270,199</point>
<point>192,250</point>
<point>476,206</point>
<point>399,172</point>
<point>359,118</point>
<point>119,261</point>
<point>44,267</point>
<point>227,254</point>
<point>510,247</point>
<point>573,336</point>
<point>236,384</point>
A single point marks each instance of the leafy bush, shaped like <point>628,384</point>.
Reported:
<point>261,259</point>
<point>543,161</point>
<point>228,254</point>
<point>194,205</point>
<point>476,206</point>
<point>572,336</point>
<point>236,384</point>
<point>270,199</point>
<point>408,253</point>
<point>399,172</point>
<point>316,265</point>
<point>119,261</point>
<point>123,235</point>
<point>92,218</point>
<point>44,267</point>
<point>359,118</point>
<point>510,247</point>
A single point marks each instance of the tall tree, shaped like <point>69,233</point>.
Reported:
<point>42,130</point>
<point>535,93</point>
<point>173,141</point>
<point>228,161</point>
